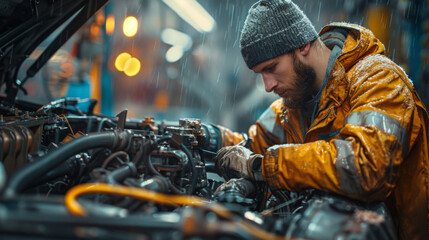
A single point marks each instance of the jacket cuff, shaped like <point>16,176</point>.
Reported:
<point>270,171</point>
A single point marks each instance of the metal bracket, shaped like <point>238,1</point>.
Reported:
<point>122,118</point>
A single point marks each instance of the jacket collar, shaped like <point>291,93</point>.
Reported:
<point>360,42</point>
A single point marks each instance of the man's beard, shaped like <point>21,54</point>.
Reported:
<point>303,85</point>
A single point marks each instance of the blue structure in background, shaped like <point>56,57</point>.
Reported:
<point>106,78</point>
<point>81,90</point>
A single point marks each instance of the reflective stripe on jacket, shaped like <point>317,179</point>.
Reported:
<point>368,140</point>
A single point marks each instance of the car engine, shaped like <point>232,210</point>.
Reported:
<point>69,174</point>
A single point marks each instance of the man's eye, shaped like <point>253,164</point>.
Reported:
<point>272,68</point>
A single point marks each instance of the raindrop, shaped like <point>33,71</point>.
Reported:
<point>157,80</point>
<point>203,39</point>
<point>198,72</point>
<point>391,18</point>
<point>318,15</point>
<point>181,89</point>
<point>388,45</point>
<point>232,16</point>
<point>235,93</point>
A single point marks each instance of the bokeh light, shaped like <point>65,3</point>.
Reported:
<point>132,67</point>
<point>130,26</point>
<point>121,59</point>
<point>110,24</point>
<point>174,54</point>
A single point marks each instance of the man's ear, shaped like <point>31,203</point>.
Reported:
<point>304,50</point>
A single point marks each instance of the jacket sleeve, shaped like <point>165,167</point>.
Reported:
<point>265,133</point>
<point>229,137</point>
<point>362,163</point>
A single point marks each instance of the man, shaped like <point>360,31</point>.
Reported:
<point>348,120</point>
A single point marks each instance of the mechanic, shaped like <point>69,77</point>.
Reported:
<point>348,120</point>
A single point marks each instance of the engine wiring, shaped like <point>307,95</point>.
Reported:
<point>62,116</point>
<point>76,209</point>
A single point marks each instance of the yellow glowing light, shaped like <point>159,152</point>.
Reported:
<point>130,26</point>
<point>132,67</point>
<point>110,24</point>
<point>121,59</point>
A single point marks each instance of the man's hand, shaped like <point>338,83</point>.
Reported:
<point>237,161</point>
<point>241,191</point>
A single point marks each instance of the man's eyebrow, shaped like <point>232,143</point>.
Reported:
<point>270,65</point>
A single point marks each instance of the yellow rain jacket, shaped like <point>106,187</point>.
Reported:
<point>368,140</point>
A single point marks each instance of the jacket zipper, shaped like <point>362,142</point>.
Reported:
<point>323,118</point>
<point>285,119</point>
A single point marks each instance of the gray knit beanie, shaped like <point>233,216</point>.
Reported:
<point>273,28</point>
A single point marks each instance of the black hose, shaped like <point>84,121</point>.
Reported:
<point>58,171</point>
<point>155,172</point>
<point>152,168</point>
<point>147,148</point>
<point>117,176</point>
<point>193,168</point>
<point>101,123</point>
<point>137,158</point>
<point>174,189</point>
<point>25,177</point>
<point>115,155</point>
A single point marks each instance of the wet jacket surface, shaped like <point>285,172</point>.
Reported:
<point>368,140</point>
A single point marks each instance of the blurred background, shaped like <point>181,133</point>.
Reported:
<point>171,59</point>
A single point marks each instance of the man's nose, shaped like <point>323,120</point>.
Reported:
<point>269,82</point>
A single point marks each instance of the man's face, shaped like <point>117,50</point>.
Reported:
<point>289,78</point>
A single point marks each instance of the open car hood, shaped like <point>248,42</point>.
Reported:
<point>24,24</point>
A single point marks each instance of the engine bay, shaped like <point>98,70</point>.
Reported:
<point>69,174</point>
